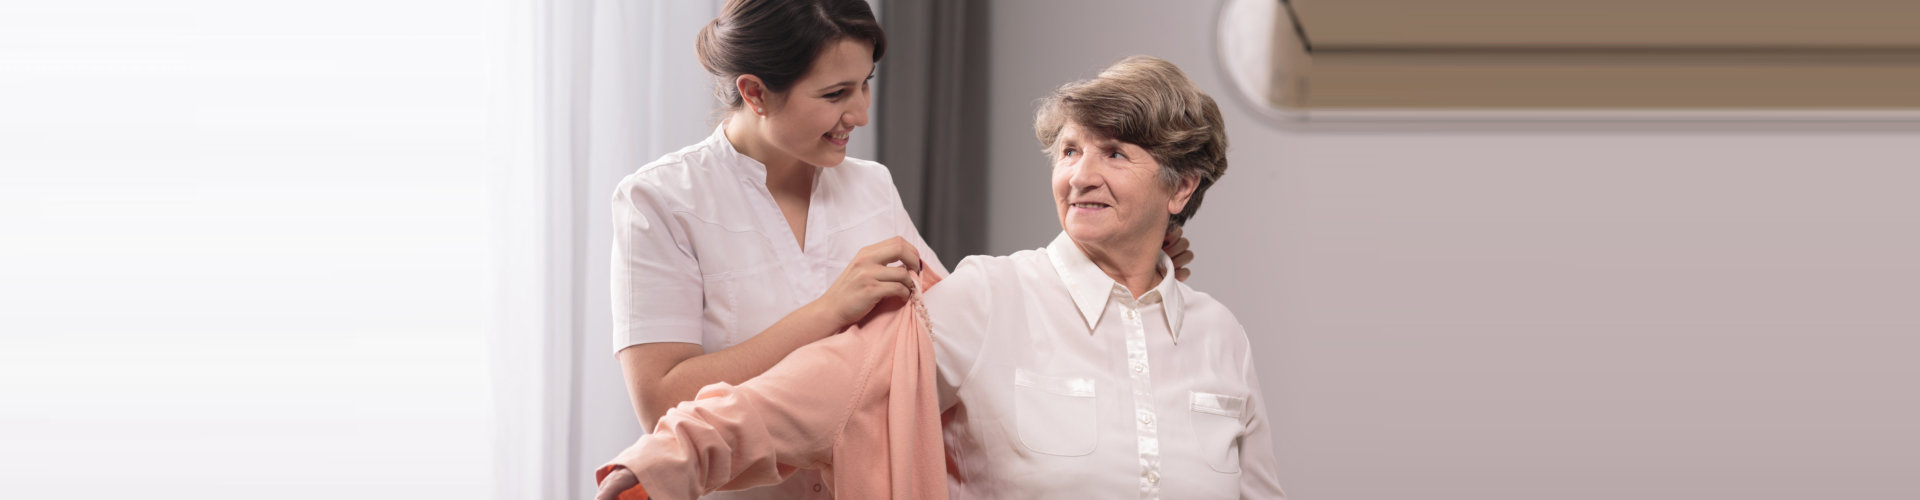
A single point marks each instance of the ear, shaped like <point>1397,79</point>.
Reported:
<point>1183,193</point>
<point>753,93</point>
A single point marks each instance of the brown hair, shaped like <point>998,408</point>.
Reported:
<point>777,40</point>
<point>1148,102</point>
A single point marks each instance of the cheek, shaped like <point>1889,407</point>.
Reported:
<point>806,122</point>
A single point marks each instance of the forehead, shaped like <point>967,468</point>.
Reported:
<point>1075,133</point>
<point>840,60</point>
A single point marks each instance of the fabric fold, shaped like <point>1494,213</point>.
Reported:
<point>860,406</point>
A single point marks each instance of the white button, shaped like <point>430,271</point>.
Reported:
<point>1139,368</point>
<point>1130,314</point>
<point>1146,419</point>
<point>1153,478</point>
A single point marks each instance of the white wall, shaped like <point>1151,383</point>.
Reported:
<point>1705,311</point>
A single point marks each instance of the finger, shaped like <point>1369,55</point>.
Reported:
<point>1182,274</point>
<point>893,250</point>
<point>1176,247</point>
<point>892,274</point>
<point>898,290</point>
<point>1183,259</point>
<point>1174,233</point>
<point>909,256</point>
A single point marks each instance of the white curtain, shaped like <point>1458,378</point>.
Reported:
<point>244,248</point>
<point>615,85</point>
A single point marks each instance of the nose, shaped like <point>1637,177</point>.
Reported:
<point>857,115</point>
<point>1083,175</point>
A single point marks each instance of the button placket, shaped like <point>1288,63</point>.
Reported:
<point>1146,432</point>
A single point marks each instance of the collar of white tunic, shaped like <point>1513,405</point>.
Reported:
<point>740,163</point>
<point>1091,287</point>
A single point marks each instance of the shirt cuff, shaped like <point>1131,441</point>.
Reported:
<point>637,492</point>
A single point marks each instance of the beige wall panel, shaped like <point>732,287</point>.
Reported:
<point>1829,23</point>
<point>1599,80</point>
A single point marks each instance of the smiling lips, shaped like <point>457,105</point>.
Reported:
<point>838,138</point>
<point>1087,205</point>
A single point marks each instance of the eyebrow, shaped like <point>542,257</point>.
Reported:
<point>843,83</point>
<point>846,83</point>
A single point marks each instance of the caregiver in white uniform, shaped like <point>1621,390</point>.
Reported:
<point>715,244</point>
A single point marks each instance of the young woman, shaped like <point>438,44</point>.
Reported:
<point>731,253</point>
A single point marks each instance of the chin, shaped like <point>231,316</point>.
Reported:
<point>1082,234</point>
<point>830,160</point>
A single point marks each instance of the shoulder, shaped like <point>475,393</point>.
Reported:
<point>865,179</point>
<point>670,181</point>
<point>1004,265</point>
<point>865,170</point>
<point>1203,304</point>
<point>1206,316</point>
<point>1005,277</point>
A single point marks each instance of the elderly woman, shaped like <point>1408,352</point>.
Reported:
<point>1081,369</point>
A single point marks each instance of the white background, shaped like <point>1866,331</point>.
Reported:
<point>243,249</point>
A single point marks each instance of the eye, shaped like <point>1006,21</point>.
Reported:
<point>1117,154</point>
<point>1069,151</point>
<point>836,94</point>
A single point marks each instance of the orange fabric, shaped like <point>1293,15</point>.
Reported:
<point>860,405</point>
<point>637,492</point>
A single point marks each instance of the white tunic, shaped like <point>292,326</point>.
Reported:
<point>703,255</point>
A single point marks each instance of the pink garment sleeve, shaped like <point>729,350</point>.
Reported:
<point>860,405</point>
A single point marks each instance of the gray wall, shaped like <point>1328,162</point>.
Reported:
<point>1716,311</point>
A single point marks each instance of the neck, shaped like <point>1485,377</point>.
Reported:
<point>1135,266</point>
<point>786,175</point>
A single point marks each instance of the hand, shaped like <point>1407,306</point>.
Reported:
<point>617,482</point>
<point>870,279</point>
<point>1176,246</point>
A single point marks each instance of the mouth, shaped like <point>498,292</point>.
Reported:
<point>838,138</point>
<point>1089,206</point>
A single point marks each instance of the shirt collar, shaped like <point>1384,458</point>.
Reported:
<point>733,158</point>
<point>1090,286</point>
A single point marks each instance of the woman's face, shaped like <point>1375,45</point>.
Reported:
<point>1109,193</point>
<point>813,121</point>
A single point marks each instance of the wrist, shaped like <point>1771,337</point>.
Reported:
<point>821,319</point>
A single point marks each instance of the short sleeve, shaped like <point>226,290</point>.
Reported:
<point>903,222</point>
<point>959,311</point>
<point>657,293</point>
<point>907,229</point>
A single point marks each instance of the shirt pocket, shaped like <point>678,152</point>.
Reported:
<point>1055,415</point>
<point>1217,428</point>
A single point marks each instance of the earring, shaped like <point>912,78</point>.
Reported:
<point>763,112</point>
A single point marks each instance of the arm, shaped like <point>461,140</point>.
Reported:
<point>1259,468</point>
<point>959,313</point>
<point>661,375</point>
<point>791,417</point>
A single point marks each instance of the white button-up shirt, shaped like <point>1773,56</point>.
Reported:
<point>703,255</point>
<point>1066,386</point>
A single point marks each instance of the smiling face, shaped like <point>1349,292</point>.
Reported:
<point>813,121</point>
<point>1109,194</point>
